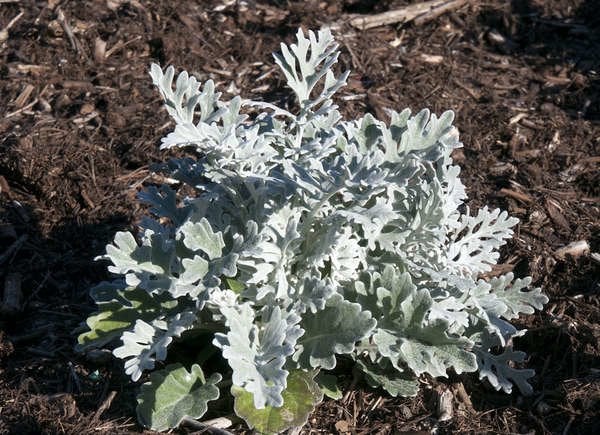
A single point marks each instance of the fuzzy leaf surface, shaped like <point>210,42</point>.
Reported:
<point>174,393</point>
<point>334,330</point>
<point>300,398</point>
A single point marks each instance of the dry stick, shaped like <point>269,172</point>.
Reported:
<point>22,109</point>
<point>205,427</point>
<point>4,32</point>
<point>120,45</point>
<point>420,13</point>
<point>519,196</point>
<point>105,405</point>
<point>437,11</point>
<point>60,16</point>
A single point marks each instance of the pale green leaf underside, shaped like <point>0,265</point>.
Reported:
<point>299,400</point>
<point>119,309</point>
<point>390,379</point>
<point>329,386</point>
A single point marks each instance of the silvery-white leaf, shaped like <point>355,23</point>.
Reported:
<point>257,351</point>
<point>498,368</point>
<point>148,343</point>
<point>473,245</point>
<point>333,330</point>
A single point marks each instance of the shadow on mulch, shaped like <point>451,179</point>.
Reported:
<point>46,387</point>
<point>567,37</point>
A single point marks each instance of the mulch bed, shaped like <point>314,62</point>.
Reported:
<point>80,125</point>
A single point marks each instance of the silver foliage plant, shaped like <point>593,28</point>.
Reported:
<point>310,237</point>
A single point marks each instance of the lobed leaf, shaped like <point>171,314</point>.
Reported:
<point>300,397</point>
<point>334,330</point>
<point>173,394</point>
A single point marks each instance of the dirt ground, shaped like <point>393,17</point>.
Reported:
<point>80,123</point>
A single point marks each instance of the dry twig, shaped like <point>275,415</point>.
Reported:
<point>4,32</point>
<point>420,13</point>
<point>216,426</point>
<point>105,405</point>
<point>60,16</point>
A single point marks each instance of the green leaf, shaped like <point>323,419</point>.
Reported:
<point>119,309</point>
<point>329,386</point>
<point>299,400</point>
<point>173,394</point>
<point>234,285</point>
<point>389,378</point>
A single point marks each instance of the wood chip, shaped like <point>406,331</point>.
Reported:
<point>516,118</point>
<point>342,427</point>
<point>463,396</point>
<point>87,200</point>
<point>503,169</point>
<point>557,81</point>
<point>573,249</point>
<point>30,69</point>
<point>519,196</point>
<point>445,402</point>
<point>219,422</point>
<point>77,84</point>
<point>23,97</point>
<point>99,50</point>
<point>555,211</point>
<point>86,109</point>
<point>432,58</point>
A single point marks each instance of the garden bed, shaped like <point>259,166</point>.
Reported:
<point>80,124</point>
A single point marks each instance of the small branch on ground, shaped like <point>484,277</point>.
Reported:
<point>60,16</point>
<point>4,32</point>
<point>105,405</point>
<point>420,13</point>
<point>215,426</point>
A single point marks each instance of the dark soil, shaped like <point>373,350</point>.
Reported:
<point>80,126</point>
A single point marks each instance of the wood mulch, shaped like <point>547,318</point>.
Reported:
<point>80,123</point>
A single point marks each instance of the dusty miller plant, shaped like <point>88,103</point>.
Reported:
<point>308,237</point>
